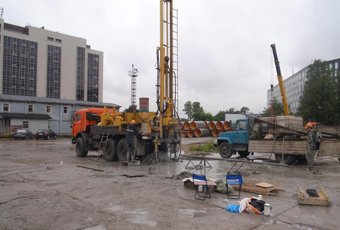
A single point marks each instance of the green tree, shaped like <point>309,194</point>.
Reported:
<point>244,110</point>
<point>198,113</point>
<point>319,101</point>
<point>277,109</point>
<point>231,110</point>
<point>208,117</point>
<point>188,109</point>
<point>337,77</point>
<point>219,116</point>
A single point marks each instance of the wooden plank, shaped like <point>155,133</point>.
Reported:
<point>329,148</point>
<point>250,186</point>
<point>264,185</point>
<point>295,147</point>
<point>201,182</point>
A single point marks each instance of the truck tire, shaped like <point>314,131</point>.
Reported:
<point>122,149</point>
<point>109,151</point>
<point>80,147</point>
<point>225,150</point>
<point>243,153</point>
<point>287,159</point>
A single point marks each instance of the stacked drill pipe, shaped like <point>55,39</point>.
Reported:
<point>204,128</point>
<point>185,130</point>
<point>200,128</point>
<point>227,126</point>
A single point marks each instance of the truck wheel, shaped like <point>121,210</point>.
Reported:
<point>109,151</point>
<point>225,150</point>
<point>80,147</point>
<point>287,159</point>
<point>243,153</point>
<point>122,149</point>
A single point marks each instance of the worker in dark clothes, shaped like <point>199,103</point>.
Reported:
<point>312,145</point>
<point>131,133</point>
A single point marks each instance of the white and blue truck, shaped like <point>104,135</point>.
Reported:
<point>260,135</point>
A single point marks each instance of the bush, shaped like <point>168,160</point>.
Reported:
<point>207,147</point>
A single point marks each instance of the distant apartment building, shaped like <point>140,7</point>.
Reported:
<point>294,86</point>
<point>46,67</point>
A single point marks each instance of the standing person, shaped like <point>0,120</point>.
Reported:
<point>312,146</point>
<point>131,132</point>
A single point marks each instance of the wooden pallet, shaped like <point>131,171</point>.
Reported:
<point>261,188</point>
<point>296,147</point>
<point>304,198</point>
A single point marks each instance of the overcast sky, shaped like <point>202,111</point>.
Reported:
<point>225,58</point>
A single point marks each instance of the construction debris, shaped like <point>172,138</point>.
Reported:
<point>308,196</point>
<point>263,188</point>
<point>94,169</point>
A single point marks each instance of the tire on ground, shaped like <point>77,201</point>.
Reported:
<point>225,150</point>
<point>287,159</point>
<point>122,149</point>
<point>109,150</point>
<point>80,147</point>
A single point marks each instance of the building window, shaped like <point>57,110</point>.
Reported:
<point>65,109</point>
<point>92,79</point>
<point>30,108</point>
<point>19,65</point>
<point>25,125</point>
<point>48,109</point>
<point>50,39</point>
<point>53,71</point>
<point>80,73</point>
<point>58,40</point>
<point>5,107</point>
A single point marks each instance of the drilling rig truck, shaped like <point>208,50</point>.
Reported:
<point>96,129</point>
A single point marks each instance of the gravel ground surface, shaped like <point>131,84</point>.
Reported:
<point>43,185</point>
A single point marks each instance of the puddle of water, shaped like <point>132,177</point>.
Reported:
<point>186,212</point>
<point>115,208</point>
<point>97,227</point>
<point>190,213</point>
<point>138,216</point>
<point>143,220</point>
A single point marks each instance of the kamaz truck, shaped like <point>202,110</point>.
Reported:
<point>268,135</point>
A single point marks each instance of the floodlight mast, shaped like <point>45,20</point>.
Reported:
<point>133,74</point>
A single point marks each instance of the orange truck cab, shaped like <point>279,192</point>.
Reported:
<point>84,118</point>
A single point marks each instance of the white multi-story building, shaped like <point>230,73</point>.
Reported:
<point>42,63</point>
<point>294,86</point>
<point>44,77</point>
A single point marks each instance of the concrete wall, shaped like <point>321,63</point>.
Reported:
<point>60,121</point>
<point>34,124</point>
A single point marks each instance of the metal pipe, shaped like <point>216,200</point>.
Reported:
<point>199,132</point>
<point>198,124</point>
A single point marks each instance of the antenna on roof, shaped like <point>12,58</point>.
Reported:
<point>1,12</point>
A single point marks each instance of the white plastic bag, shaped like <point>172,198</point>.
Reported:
<point>243,204</point>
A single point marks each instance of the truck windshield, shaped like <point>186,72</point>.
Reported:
<point>241,125</point>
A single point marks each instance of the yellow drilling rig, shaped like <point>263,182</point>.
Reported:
<point>96,129</point>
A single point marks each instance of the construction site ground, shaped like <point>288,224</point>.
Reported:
<point>43,185</point>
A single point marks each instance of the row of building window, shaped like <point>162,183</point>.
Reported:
<point>54,39</point>
<point>19,73</point>
<point>20,61</point>
<point>30,108</point>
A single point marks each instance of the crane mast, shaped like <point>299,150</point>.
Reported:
<point>280,80</point>
<point>166,84</point>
